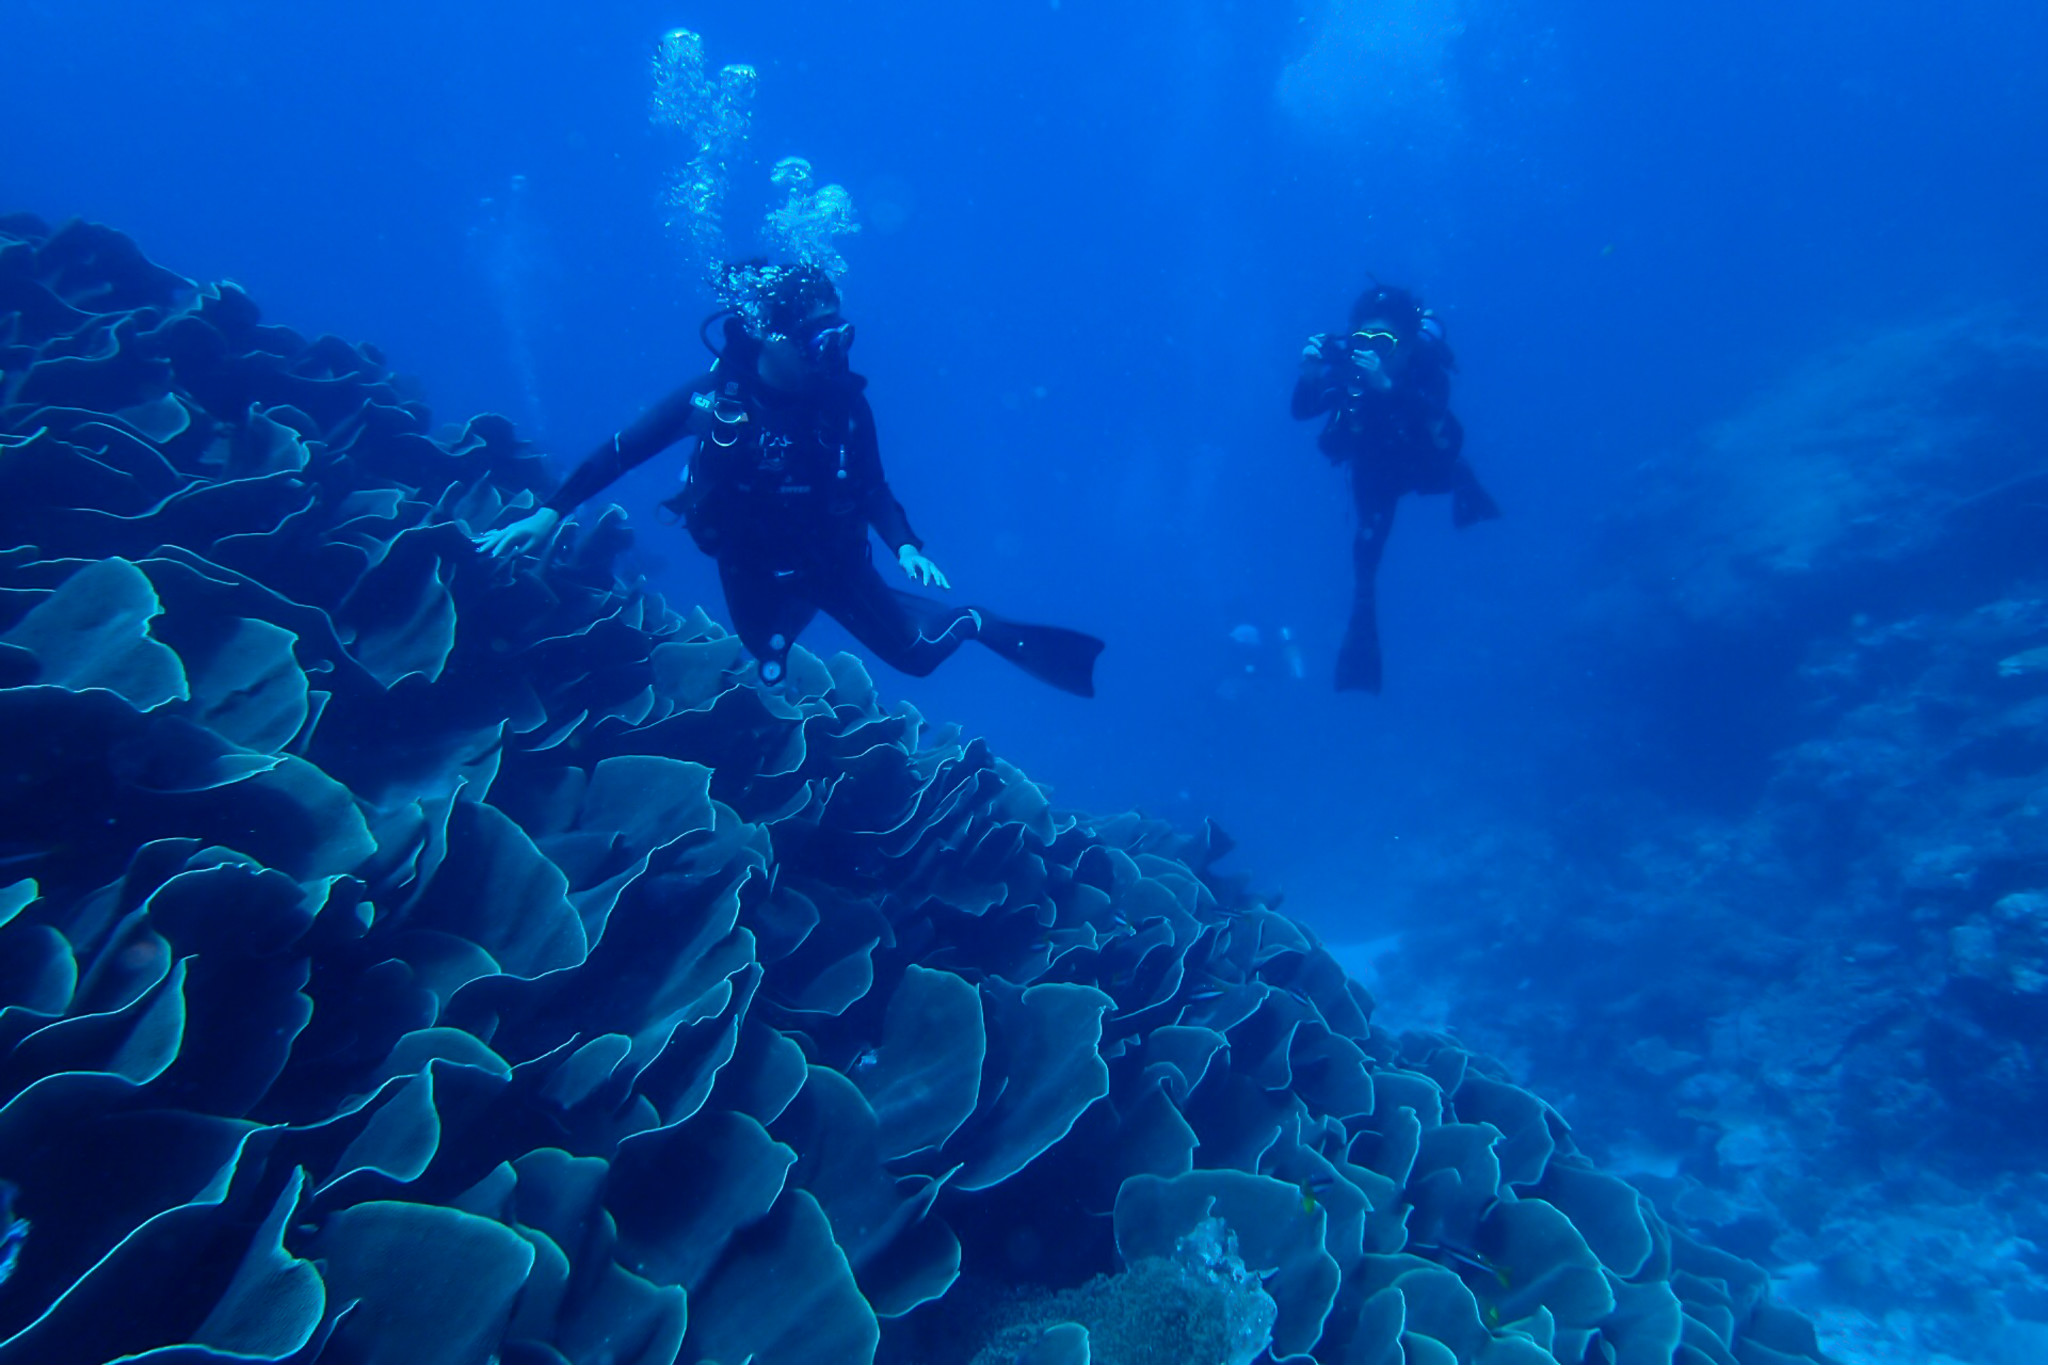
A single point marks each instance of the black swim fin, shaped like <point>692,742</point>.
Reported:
<point>1358,666</point>
<point>1051,654</point>
<point>1358,658</point>
<point>1472,504</point>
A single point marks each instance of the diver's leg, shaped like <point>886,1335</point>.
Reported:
<point>1358,659</point>
<point>916,635</point>
<point>768,612</point>
<point>911,634</point>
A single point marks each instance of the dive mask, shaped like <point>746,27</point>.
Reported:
<point>1380,343</point>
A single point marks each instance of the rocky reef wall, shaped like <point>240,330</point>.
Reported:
<point>1816,917</point>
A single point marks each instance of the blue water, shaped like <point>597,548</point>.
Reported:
<point>1095,236</point>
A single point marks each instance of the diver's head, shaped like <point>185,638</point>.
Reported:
<point>1389,308</point>
<point>1389,322</point>
<point>797,321</point>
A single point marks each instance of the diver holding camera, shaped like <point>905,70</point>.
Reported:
<point>1385,386</point>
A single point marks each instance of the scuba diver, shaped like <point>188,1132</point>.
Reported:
<point>782,486</point>
<point>1386,385</point>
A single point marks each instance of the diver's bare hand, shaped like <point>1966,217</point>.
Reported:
<point>521,536</point>
<point>918,569</point>
<point>1368,364</point>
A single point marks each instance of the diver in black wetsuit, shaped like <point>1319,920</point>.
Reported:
<point>784,482</point>
<point>1386,386</point>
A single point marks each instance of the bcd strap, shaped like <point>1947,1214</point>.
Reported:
<point>728,413</point>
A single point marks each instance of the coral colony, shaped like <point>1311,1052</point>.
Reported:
<point>408,958</point>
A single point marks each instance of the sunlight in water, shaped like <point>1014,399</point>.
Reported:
<point>1376,68</point>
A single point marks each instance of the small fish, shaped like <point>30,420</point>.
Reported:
<point>1312,1186</point>
<point>13,1231</point>
<point>1467,1260</point>
<point>865,1059</point>
<point>1246,635</point>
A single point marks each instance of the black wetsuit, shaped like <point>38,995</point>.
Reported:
<point>1397,440</point>
<point>781,491</point>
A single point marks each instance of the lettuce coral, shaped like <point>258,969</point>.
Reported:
<point>410,959</point>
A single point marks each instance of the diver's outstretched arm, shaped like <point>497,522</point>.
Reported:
<point>652,432</point>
